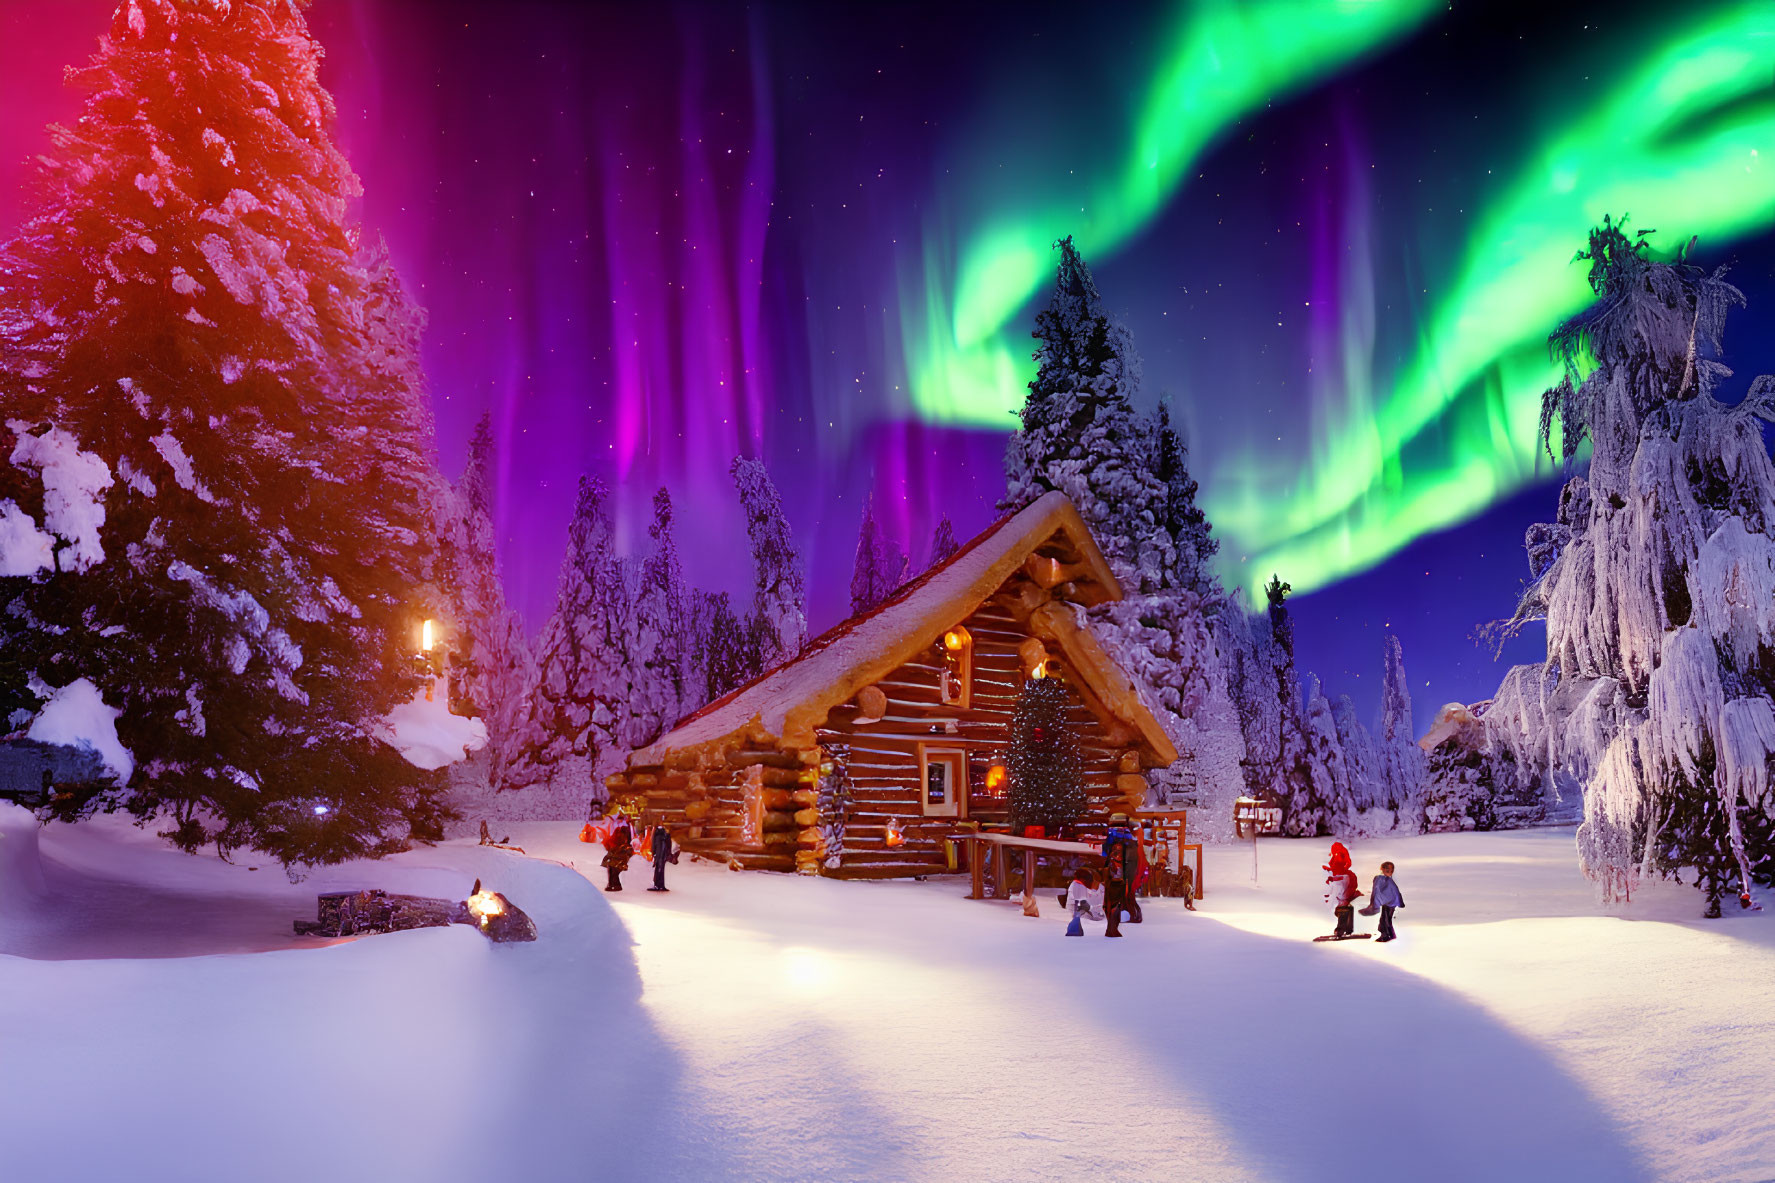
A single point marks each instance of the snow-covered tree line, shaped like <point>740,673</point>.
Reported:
<point>631,648</point>
<point>1222,679</point>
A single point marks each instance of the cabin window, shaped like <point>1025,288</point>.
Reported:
<point>943,781</point>
<point>958,667</point>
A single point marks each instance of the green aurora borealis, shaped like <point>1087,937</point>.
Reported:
<point>1676,135</point>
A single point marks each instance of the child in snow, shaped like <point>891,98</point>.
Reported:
<point>1386,896</point>
<point>619,849</point>
<point>1341,891</point>
<point>1083,898</point>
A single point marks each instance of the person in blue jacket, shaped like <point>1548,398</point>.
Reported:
<point>1386,895</point>
<point>1121,857</point>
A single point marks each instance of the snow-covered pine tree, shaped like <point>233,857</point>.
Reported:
<point>728,657</point>
<point>659,687</point>
<point>574,733</point>
<point>1395,742</point>
<point>1046,767</point>
<point>880,568</point>
<point>943,543</point>
<point>1657,583</point>
<point>1330,767</point>
<point>1193,543</point>
<point>1362,762</point>
<point>490,664</point>
<point>1298,778</point>
<point>777,627</point>
<point>189,302</point>
<point>1080,433</point>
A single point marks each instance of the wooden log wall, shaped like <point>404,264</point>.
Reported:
<point>884,762</point>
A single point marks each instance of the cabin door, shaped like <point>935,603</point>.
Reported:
<point>943,781</point>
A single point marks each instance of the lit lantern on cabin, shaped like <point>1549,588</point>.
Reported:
<point>427,635</point>
<point>958,668</point>
<point>895,835</point>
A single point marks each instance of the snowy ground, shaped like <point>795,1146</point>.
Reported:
<point>752,1026</point>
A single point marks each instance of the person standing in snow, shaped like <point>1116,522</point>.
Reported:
<point>1385,895</point>
<point>1083,898</point>
<point>619,849</point>
<point>661,849</point>
<point>1341,891</point>
<point>1121,856</point>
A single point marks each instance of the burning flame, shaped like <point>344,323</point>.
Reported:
<point>995,779</point>
<point>895,835</point>
<point>952,640</point>
<point>484,906</point>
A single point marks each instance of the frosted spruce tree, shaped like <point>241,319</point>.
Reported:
<point>943,543</point>
<point>660,686</point>
<point>1079,433</point>
<point>1657,584</point>
<point>727,659</point>
<point>490,664</point>
<point>1192,537</point>
<point>777,627</point>
<point>1400,761</point>
<point>574,733</point>
<point>880,568</point>
<point>189,303</point>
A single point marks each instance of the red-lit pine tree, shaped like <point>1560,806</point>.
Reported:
<point>190,302</point>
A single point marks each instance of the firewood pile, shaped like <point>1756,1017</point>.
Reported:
<point>360,913</point>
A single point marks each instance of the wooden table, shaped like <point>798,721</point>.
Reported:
<point>1005,844</point>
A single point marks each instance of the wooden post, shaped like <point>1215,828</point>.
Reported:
<point>976,853</point>
<point>1029,870</point>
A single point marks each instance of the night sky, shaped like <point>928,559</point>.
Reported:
<point>650,237</point>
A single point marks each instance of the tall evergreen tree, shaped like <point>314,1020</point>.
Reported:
<point>1402,763</point>
<point>659,690</point>
<point>880,568</point>
<point>575,729</point>
<point>728,660</point>
<point>189,302</point>
<point>1081,435</point>
<point>778,623</point>
<point>1657,583</point>
<point>1192,537</point>
<point>491,663</point>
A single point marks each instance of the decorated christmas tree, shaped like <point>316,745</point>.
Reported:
<point>1046,766</point>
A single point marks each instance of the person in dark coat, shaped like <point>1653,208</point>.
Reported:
<point>660,848</point>
<point>619,849</point>
<point>1121,856</point>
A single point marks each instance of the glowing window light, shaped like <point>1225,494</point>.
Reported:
<point>996,776</point>
<point>425,636</point>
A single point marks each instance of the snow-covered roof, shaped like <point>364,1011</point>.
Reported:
<point>785,704</point>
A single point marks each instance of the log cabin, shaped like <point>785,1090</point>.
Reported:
<point>888,732</point>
